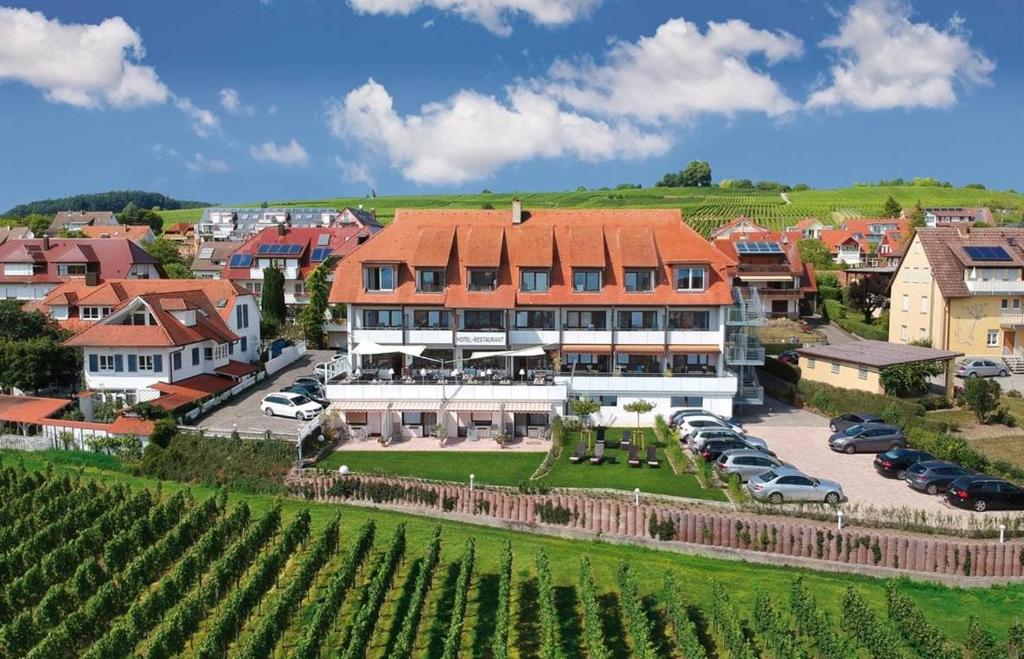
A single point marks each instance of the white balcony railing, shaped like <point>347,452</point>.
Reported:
<point>382,336</point>
<point>430,337</point>
<point>694,337</point>
<point>676,385</point>
<point>553,393</point>
<point>640,337</point>
<point>995,286</point>
<point>533,337</point>
<point>587,337</point>
<point>1011,318</point>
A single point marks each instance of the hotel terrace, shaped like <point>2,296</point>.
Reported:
<point>490,321</point>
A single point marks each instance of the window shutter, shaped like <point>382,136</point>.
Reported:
<point>245,315</point>
<point>231,348</point>
<point>195,356</point>
<point>158,363</point>
<point>132,363</point>
<point>119,363</point>
<point>238,315</point>
<point>93,363</point>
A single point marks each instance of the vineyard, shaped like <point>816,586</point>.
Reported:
<point>101,570</point>
<point>703,208</point>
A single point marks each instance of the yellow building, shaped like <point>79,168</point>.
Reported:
<point>859,364</point>
<point>962,290</point>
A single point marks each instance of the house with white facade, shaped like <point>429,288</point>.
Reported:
<point>239,224</point>
<point>485,322</point>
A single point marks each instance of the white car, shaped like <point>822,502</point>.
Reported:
<point>691,424</point>
<point>295,406</point>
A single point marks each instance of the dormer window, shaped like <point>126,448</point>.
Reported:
<point>534,281</point>
<point>639,281</point>
<point>380,278</point>
<point>483,280</point>
<point>93,313</point>
<point>71,269</point>
<point>137,317</point>
<point>430,281</point>
<point>586,281</point>
<point>690,278</point>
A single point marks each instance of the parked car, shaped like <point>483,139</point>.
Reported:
<point>692,424</point>
<point>789,357</point>
<point>309,381</point>
<point>696,440</point>
<point>985,493</point>
<point>934,476</point>
<point>309,392</point>
<point>867,438</point>
<point>983,368</point>
<point>790,484</point>
<point>745,462</point>
<point>894,463</point>
<point>289,404</point>
<point>844,421</point>
<point>679,415</point>
<point>716,447</point>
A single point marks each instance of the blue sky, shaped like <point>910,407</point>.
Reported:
<point>243,100</point>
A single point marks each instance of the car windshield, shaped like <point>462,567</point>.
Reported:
<point>767,476</point>
<point>917,468</point>
<point>300,399</point>
<point>895,453</point>
<point>854,430</point>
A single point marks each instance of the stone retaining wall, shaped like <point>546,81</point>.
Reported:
<point>934,555</point>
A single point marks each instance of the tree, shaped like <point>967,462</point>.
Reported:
<point>164,430</point>
<point>164,251</point>
<point>272,303</point>
<point>910,379</point>
<point>917,215</point>
<point>178,271</point>
<point>38,223</point>
<point>868,295</point>
<point>312,315</point>
<point>696,174</point>
<point>133,215</point>
<point>981,396</point>
<point>891,207</point>
<point>639,407</point>
<point>37,363</point>
<point>815,252</point>
<point>583,408</point>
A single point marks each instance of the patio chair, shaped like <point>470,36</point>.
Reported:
<point>580,454</point>
<point>652,457</point>
<point>598,456</point>
<point>634,455</point>
<point>627,440</point>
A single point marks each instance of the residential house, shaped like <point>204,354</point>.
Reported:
<point>872,230</point>
<point>29,269</point>
<point>183,235</point>
<point>157,340</point>
<point>239,224</point>
<point>934,217</point>
<point>140,233</point>
<point>809,227</point>
<point>844,247</point>
<point>490,321</point>
<point>771,264</point>
<point>742,225</point>
<point>962,289</point>
<point>212,257</point>
<point>15,233</point>
<point>294,251</point>
<point>890,249</point>
<point>73,221</point>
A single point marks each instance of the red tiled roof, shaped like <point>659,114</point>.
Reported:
<point>114,256</point>
<point>180,228</point>
<point>742,224</point>
<point>581,238</point>
<point>137,233</point>
<point>29,409</point>
<point>344,238</point>
<point>237,369</point>
<point>190,390</point>
<point>833,238</point>
<point>863,225</point>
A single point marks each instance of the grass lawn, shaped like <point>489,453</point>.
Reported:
<point>997,607</point>
<point>1008,449</point>
<point>616,473</point>
<point>489,468</point>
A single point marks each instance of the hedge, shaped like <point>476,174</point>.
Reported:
<point>837,313</point>
<point>782,370</point>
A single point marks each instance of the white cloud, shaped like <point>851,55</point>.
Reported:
<point>161,151</point>
<point>887,61</point>
<point>232,102</point>
<point>88,66</point>
<point>289,155</point>
<point>204,122</point>
<point>354,172</point>
<point>427,24</point>
<point>201,163</point>
<point>272,110</point>
<point>679,73</point>
<point>492,14</point>
<point>470,135</point>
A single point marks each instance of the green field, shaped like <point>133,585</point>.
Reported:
<point>703,208</point>
<point>160,597</point>
<point>488,468</point>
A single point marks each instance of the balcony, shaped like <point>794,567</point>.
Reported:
<point>533,337</point>
<point>744,350</point>
<point>677,385</point>
<point>430,336</point>
<point>780,293</point>
<point>694,337</point>
<point>587,337</point>
<point>652,337</point>
<point>289,273</point>
<point>434,392</point>
<point>747,308</point>
<point>1011,319</point>
<point>995,286</point>
<point>382,335</point>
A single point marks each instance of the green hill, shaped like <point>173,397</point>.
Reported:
<point>113,201</point>
<point>703,208</point>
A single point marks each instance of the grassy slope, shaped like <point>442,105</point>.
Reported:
<point>489,468</point>
<point>997,607</point>
<point>704,208</point>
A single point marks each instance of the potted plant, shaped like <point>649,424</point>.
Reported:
<point>441,433</point>
<point>500,436</point>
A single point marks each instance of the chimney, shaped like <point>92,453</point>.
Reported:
<point>92,278</point>
<point>46,242</point>
<point>517,211</point>
<point>281,229</point>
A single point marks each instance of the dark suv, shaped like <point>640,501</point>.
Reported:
<point>985,493</point>
<point>894,463</point>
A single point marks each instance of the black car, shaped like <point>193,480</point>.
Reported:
<point>308,392</point>
<point>985,493</point>
<point>934,476</point>
<point>894,463</point>
<point>844,421</point>
<point>716,447</point>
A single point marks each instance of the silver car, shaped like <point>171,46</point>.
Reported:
<point>984,368</point>
<point>745,463</point>
<point>789,484</point>
<point>695,442</point>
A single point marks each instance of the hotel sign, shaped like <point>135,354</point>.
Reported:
<point>480,339</point>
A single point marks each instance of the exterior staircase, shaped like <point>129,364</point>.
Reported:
<point>1014,360</point>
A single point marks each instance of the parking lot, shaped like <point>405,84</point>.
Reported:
<point>801,439</point>
<point>243,413</point>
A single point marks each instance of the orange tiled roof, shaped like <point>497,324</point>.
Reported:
<point>237,369</point>
<point>131,232</point>
<point>575,238</point>
<point>833,238</point>
<point>29,409</point>
<point>190,390</point>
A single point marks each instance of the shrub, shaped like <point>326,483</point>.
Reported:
<point>252,465</point>
<point>163,430</point>
<point>1013,393</point>
<point>981,396</point>
<point>782,370</point>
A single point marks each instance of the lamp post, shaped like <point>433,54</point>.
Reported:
<point>472,477</point>
<point>839,516</point>
<point>636,496</point>
<point>522,374</point>
<point>1002,533</point>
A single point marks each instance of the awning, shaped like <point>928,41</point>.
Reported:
<point>360,406</point>
<point>703,349</point>
<point>640,350</point>
<point>595,349</point>
<point>473,406</point>
<point>528,406</point>
<point>416,406</point>
<point>371,348</point>
<point>535,351</point>
<point>765,277</point>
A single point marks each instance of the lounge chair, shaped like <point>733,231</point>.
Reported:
<point>598,456</point>
<point>634,455</point>
<point>652,457</point>
<point>627,439</point>
<point>580,454</point>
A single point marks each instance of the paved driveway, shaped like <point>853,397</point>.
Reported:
<point>801,438</point>
<point>244,412</point>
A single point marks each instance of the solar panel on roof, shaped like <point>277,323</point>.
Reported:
<point>987,253</point>
<point>295,249</point>
<point>320,254</point>
<point>758,247</point>
<point>241,261</point>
